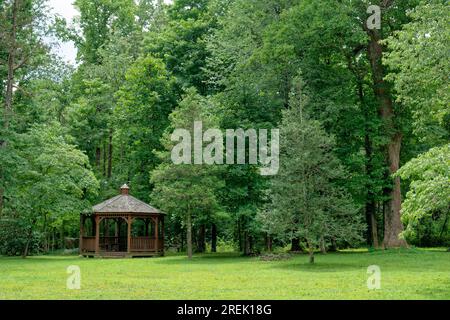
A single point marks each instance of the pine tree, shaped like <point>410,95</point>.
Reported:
<point>306,201</point>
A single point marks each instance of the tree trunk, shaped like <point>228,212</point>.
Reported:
<point>98,156</point>
<point>323,247</point>
<point>311,254</point>
<point>201,246</point>
<point>372,228</point>
<point>27,245</point>
<point>239,235</point>
<point>246,244</point>
<point>268,243</point>
<point>61,235</point>
<point>110,154</point>
<point>182,241</point>
<point>189,235</point>
<point>213,238</point>
<point>29,238</point>
<point>53,239</point>
<point>333,247</point>
<point>104,159</point>
<point>393,225</point>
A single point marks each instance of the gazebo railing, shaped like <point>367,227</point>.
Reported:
<point>88,244</point>
<point>145,244</point>
<point>119,244</point>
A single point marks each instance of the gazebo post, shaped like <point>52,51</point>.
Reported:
<point>157,234</point>
<point>97,234</point>
<point>162,233</point>
<point>129,235</point>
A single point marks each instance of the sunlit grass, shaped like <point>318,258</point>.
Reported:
<point>405,274</point>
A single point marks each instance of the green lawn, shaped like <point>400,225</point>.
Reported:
<point>405,274</point>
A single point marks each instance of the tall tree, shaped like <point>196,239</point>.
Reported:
<point>187,190</point>
<point>98,20</point>
<point>181,44</point>
<point>21,32</point>
<point>145,102</point>
<point>55,180</point>
<point>248,95</point>
<point>417,57</point>
<point>306,199</point>
<point>428,200</point>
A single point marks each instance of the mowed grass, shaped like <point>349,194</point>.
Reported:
<point>405,274</point>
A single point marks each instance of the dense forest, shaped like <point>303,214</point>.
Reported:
<point>363,113</point>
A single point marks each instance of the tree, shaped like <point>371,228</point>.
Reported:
<point>145,102</point>
<point>340,59</point>
<point>248,97</point>
<point>108,36</point>
<point>21,33</point>
<point>98,20</point>
<point>306,202</point>
<point>55,181</point>
<point>186,191</point>
<point>429,196</point>
<point>180,43</point>
<point>417,56</point>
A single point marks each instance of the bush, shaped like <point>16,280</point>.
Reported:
<point>13,238</point>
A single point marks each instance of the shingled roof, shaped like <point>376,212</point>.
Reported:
<point>124,203</point>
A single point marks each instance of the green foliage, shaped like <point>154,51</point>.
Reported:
<point>427,203</point>
<point>53,181</point>
<point>142,115</point>
<point>306,199</point>
<point>98,20</point>
<point>187,191</point>
<point>418,57</point>
<point>180,44</point>
<point>111,116</point>
<point>13,238</point>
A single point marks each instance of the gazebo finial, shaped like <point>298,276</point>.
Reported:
<point>125,189</point>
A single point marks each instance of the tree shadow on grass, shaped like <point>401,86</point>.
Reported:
<point>40,258</point>
<point>297,266</point>
<point>209,258</point>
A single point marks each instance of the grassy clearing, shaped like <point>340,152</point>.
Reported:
<point>406,274</point>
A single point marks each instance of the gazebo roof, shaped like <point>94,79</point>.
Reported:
<point>124,203</point>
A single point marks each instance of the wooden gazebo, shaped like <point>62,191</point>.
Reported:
<point>122,226</point>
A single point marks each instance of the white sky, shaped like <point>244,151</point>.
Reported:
<point>65,9</point>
